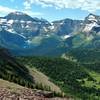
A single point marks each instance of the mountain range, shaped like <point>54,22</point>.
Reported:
<point>24,35</point>
<point>53,60</point>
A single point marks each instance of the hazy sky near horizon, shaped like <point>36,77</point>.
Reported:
<point>51,9</point>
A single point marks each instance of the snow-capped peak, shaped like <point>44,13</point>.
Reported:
<point>90,22</point>
<point>92,17</point>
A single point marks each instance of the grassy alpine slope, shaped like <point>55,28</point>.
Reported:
<point>13,71</point>
<point>74,79</point>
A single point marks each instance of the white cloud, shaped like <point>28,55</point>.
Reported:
<point>32,13</point>
<point>88,5</point>
<point>27,5</point>
<point>6,10</point>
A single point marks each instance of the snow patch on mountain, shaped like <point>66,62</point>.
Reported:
<point>29,41</point>
<point>22,36</point>
<point>92,18</point>
<point>22,21</point>
<point>45,29</point>
<point>11,31</point>
<point>64,37</point>
<point>3,20</point>
<point>10,21</point>
<point>27,26</point>
<point>51,27</point>
<point>89,27</point>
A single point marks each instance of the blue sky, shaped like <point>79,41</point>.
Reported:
<point>51,9</point>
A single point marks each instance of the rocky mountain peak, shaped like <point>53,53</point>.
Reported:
<point>18,16</point>
<point>91,18</point>
<point>18,13</point>
<point>91,21</point>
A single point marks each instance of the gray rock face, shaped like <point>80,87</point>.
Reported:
<point>67,26</point>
